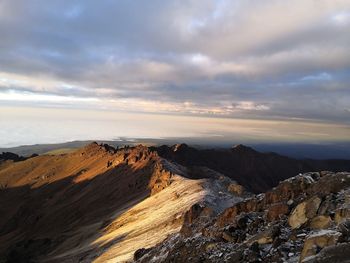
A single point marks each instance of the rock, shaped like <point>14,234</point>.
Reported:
<point>255,247</point>
<point>242,222</point>
<point>267,236</point>
<point>235,236</point>
<point>344,229</point>
<point>229,215</point>
<point>228,237</point>
<point>298,216</point>
<point>312,206</point>
<point>141,252</point>
<point>342,214</point>
<point>290,202</point>
<point>315,242</point>
<point>339,253</point>
<point>196,211</point>
<point>235,189</point>
<point>320,222</point>
<point>303,212</point>
<point>276,210</point>
<point>329,204</point>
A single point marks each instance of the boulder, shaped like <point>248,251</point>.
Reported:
<point>344,229</point>
<point>303,212</point>
<point>342,214</point>
<point>339,253</point>
<point>320,222</point>
<point>315,242</point>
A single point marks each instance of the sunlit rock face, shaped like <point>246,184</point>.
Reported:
<point>61,202</point>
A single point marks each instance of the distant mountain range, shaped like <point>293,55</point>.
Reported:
<point>325,150</point>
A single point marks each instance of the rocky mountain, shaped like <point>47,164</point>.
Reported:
<point>256,171</point>
<point>169,204</point>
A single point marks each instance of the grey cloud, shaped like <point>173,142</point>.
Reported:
<point>292,58</point>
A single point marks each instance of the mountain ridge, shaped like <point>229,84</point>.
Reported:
<point>256,171</point>
<point>101,203</point>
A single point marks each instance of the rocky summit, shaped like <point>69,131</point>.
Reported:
<point>173,204</point>
<point>305,218</point>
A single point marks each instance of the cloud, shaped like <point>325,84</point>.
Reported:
<point>249,59</point>
<point>324,76</point>
<point>250,105</point>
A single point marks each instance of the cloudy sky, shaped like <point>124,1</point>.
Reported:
<point>257,60</point>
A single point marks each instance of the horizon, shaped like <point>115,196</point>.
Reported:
<point>197,69</point>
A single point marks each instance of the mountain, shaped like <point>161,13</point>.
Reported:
<point>101,204</point>
<point>73,206</point>
<point>256,171</point>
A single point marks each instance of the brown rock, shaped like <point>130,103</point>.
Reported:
<point>320,222</point>
<point>339,253</point>
<point>312,206</point>
<point>229,215</point>
<point>276,210</point>
<point>228,237</point>
<point>191,215</point>
<point>267,236</point>
<point>342,214</point>
<point>304,211</point>
<point>235,189</point>
<point>317,241</point>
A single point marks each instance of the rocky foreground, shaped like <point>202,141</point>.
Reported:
<point>304,219</point>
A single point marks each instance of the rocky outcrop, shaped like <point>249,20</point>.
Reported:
<point>5,156</point>
<point>316,241</point>
<point>303,219</point>
<point>339,253</point>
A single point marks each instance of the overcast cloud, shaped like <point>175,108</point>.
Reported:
<point>245,58</point>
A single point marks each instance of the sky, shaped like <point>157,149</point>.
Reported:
<point>174,68</point>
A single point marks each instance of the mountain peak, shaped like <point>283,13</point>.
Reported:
<point>242,148</point>
<point>179,146</point>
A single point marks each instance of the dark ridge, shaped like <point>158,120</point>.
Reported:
<point>11,156</point>
<point>256,171</point>
<point>242,148</point>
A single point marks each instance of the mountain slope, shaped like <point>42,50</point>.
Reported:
<point>97,203</point>
<point>47,198</point>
